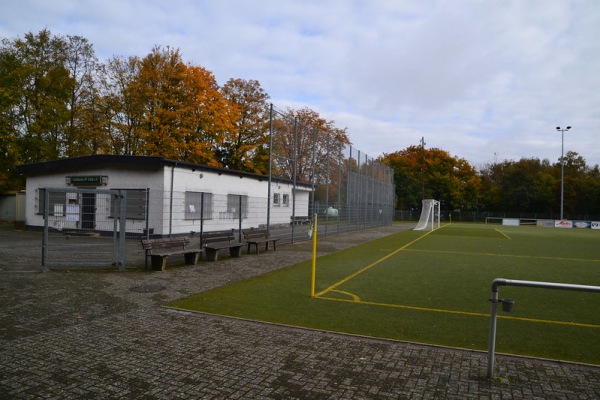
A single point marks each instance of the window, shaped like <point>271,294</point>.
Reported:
<point>56,206</point>
<point>234,201</point>
<point>276,199</point>
<point>286,200</point>
<point>198,205</point>
<point>135,206</point>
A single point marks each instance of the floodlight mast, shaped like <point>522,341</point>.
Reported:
<point>562,169</point>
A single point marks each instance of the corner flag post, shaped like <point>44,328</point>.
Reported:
<point>313,233</point>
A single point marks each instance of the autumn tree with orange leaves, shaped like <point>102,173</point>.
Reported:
<point>421,173</point>
<point>245,147</point>
<point>184,116</point>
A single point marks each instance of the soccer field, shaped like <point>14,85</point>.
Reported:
<point>434,288</point>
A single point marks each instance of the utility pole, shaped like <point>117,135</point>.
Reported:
<point>562,168</point>
<point>423,167</point>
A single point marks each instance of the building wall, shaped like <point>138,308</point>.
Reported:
<point>8,206</point>
<point>167,189</point>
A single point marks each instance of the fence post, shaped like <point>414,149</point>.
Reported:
<point>122,229</point>
<point>45,237</point>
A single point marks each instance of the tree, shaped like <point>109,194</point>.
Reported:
<point>183,114</point>
<point>407,165</point>
<point>10,88</point>
<point>119,110</point>
<point>520,187</point>
<point>245,148</point>
<point>35,89</point>
<point>432,173</point>
<point>581,185</point>
<point>302,135</point>
<point>41,110</point>
<point>210,116</point>
<point>82,134</point>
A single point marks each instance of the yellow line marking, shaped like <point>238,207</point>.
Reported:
<point>503,255</point>
<point>360,271</point>
<point>502,233</point>
<point>355,298</point>
<point>469,313</point>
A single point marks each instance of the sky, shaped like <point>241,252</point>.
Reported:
<point>484,80</point>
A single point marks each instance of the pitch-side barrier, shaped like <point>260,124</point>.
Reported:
<point>507,306</point>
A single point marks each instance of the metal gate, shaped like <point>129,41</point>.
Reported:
<point>84,228</point>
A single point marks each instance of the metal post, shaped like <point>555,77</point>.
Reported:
<point>294,163</point>
<point>562,173</point>
<point>122,229</point>
<point>241,217</point>
<point>45,237</point>
<point>147,213</point>
<point>492,339</point>
<point>201,217</point>
<point>270,166</point>
<point>562,168</point>
<point>313,178</point>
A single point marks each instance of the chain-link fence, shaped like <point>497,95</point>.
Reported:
<point>344,188</point>
<point>84,228</point>
<point>350,189</point>
<point>485,216</point>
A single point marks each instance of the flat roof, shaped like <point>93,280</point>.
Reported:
<point>141,163</point>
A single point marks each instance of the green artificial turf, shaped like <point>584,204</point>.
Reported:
<point>434,288</point>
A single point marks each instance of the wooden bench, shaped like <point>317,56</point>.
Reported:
<point>254,237</point>
<point>212,242</point>
<point>299,220</point>
<point>160,249</point>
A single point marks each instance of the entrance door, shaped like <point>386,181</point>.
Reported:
<point>88,210</point>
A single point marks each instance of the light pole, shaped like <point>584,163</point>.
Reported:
<point>562,169</point>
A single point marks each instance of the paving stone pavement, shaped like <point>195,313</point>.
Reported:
<point>104,335</point>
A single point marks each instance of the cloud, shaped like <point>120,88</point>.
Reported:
<point>483,80</point>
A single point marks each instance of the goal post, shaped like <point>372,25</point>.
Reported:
<point>430,215</point>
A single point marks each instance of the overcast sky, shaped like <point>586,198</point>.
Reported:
<point>484,80</point>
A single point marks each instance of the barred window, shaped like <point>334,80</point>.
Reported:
<point>135,207</point>
<point>56,203</point>
<point>286,200</point>
<point>198,205</point>
<point>234,201</point>
<point>276,199</point>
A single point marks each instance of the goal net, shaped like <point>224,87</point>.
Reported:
<point>430,215</point>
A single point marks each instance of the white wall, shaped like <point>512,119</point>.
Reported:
<point>166,211</point>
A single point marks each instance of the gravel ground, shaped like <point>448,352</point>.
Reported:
<point>99,334</point>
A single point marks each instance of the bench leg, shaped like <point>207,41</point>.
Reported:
<point>235,251</point>
<point>191,258</point>
<point>211,254</point>
<point>159,263</point>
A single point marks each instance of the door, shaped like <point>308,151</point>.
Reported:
<point>88,210</point>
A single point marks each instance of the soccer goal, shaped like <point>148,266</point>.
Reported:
<point>430,215</point>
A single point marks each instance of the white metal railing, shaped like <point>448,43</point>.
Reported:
<point>507,306</point>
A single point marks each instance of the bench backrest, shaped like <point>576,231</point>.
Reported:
<point>216,237</point>
<point>165,243</point>
<point>299,218</point>
<point>256,233</point>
